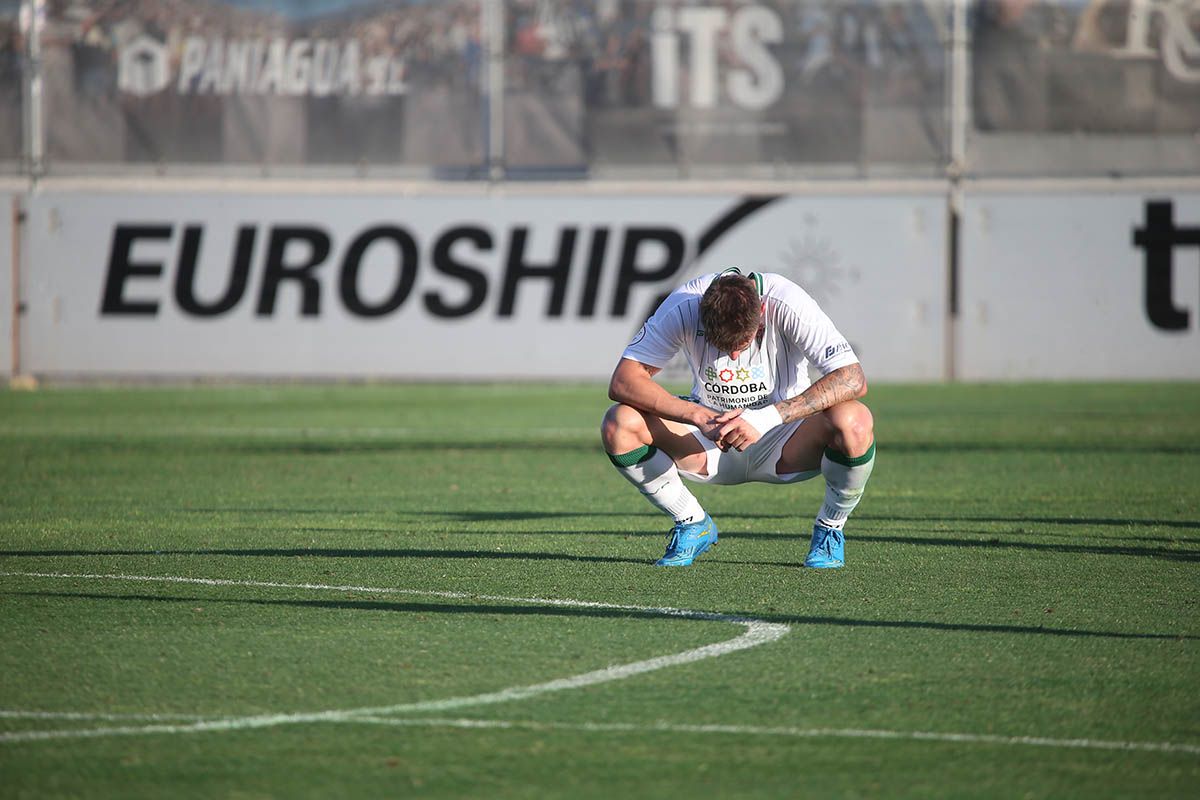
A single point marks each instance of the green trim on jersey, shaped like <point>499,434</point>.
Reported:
<point>643,453</point>
<point>847,461</point>
<point>758,281</point>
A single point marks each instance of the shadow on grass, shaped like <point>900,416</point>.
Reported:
<point>1082,521</point>
<point>497,516</point>
<point>996,543</point>
<point>1096,521</point>
<point>330,552</point>
<point>1047,448</point>
<point>425,445</point>
<point>451,516</point>
<point>970,627</point>
<point>410,607</point>
<point>993,543</point>
<point>554,611</point>
<point>318,446</point>
<point>1167,554</point>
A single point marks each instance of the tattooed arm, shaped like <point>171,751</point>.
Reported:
<point>844,383</point>
<point>741,428</point>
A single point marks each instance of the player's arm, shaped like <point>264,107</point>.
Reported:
<point>633,384</point>
<point>844,383</point>
<point>806,326</point>
<point>741,428</point>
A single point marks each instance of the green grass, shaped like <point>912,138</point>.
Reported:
<point>1025,563</point>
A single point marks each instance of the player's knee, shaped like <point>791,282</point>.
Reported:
<point>854,427</point>
<point>621,423</point>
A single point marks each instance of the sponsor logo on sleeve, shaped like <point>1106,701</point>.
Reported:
<point>835,349</point>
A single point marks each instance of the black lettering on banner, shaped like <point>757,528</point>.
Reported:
<point>121,269</point>
<point>1159,238</point>
<point>443,261</point>
<point>631,272</point>
<point>557,271</point>
<point>591,283</point>
<point>352,262</point>
<point>275,271</point>
<point>185,276</point>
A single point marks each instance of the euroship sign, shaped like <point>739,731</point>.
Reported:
<point>468,285</point>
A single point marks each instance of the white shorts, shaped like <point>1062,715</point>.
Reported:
<point>754,464</point>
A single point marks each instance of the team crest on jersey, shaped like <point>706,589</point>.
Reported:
<point>755,372</point>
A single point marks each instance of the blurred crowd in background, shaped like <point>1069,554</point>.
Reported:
<point>677,86</point>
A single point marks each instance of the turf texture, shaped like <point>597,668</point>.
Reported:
<point>263,591</point>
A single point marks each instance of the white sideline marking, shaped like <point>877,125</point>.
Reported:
<point>757,633</point>
<point>807,733</point>
<point>661,727</point>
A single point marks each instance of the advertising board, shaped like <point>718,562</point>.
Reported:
<point>1078,285</point>
<point>463,286</point>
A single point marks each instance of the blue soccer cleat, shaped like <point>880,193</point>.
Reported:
<point>828,549</point>
<point>688,540</point>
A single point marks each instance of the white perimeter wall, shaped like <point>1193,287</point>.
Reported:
<point>1051,284</point>
<point>7,269</point>
<point>1054,287</point>
<point>876,263</point>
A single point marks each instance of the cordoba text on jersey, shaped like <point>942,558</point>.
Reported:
<point>735,388</point>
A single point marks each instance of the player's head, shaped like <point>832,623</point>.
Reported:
<point>731,312</point>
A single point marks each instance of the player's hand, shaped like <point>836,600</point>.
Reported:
<point>710,426</point>
<point>736,432</point>
<point>726,416</point>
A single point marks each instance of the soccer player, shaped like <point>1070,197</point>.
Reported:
<point>753,414</point>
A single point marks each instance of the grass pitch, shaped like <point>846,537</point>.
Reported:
<point>266,591</point>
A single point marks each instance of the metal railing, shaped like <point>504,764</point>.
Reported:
<point>534,89</point>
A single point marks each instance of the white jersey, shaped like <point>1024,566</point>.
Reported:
<point>774,367</point>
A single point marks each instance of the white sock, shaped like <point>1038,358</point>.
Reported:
<point>845,479</point>
<point>654,473</point>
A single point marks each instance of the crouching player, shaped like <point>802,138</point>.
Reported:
<point>753,414</point>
